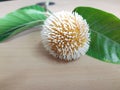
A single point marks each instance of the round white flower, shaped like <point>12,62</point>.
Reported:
<point>66,35</point>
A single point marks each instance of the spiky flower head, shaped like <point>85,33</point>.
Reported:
<point>66,35</point>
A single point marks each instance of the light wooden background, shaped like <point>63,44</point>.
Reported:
<point>25,65</point>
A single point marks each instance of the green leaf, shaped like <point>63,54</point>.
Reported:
<point>20,20</point>
<point>105,34</point>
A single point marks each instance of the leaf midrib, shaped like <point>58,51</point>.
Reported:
<point>105,37</point>
<point>14,28</point>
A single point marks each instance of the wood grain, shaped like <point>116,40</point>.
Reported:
<point>25,65</point>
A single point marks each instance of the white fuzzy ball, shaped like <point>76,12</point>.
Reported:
<point>66,35</point>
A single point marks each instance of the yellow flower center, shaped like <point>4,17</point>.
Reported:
<point>67,35</point>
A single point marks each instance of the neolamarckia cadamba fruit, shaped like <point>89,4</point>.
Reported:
<point>66,35</point>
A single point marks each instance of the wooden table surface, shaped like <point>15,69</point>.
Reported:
<point>25,65</point>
